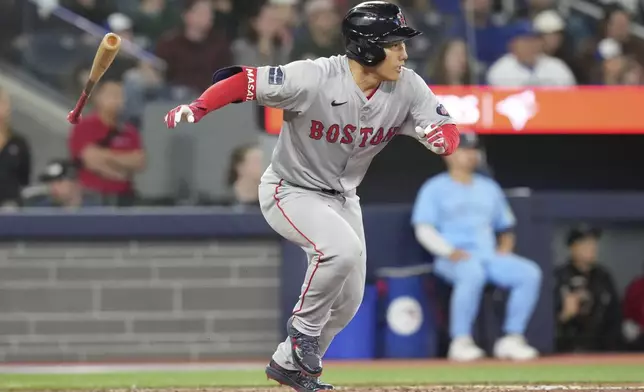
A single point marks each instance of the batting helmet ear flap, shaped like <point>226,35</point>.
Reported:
<point>374,54</point>
<point>365,52</point>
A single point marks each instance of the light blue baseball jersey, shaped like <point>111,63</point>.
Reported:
<point>467,215</point>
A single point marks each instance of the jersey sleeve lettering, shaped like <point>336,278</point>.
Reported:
<point>290,87</point>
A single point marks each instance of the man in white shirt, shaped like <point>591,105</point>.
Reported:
<point>526,64</point>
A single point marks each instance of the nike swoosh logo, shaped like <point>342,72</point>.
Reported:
<point>334,103</point>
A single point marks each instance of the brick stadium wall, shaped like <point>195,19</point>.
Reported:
<point>111,301</point>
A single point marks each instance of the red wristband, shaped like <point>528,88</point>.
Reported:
<point>452,137</point>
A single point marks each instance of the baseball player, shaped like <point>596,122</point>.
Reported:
<point>458,216</point>
<point>339,112</point>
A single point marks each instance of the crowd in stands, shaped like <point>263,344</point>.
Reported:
<point>464,42</point>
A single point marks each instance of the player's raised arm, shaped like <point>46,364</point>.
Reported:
<point>433,126</point>
<point>288,87</point>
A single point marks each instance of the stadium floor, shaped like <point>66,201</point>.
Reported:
<point>558,373</point>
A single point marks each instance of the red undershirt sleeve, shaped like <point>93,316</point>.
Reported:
<point>230,90</point>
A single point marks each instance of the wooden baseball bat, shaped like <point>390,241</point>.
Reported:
<point>105,55</point>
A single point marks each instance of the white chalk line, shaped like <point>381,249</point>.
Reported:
<point>126,368</point>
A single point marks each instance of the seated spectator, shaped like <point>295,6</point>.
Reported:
<point>617,25</point>
<point>613,64</point>
<point>552,28</point>
<point>487,28</point>
<point>451,66</point>
<point>108,152</point>
<point>526,64</point>
<point>244,173</point>
<point>322,37</point>
<point>62,188</point>
<point>578,28</point>
<point>287,12</point>
<point>633,309</point>
<point>152,19</point>
<point>267,40</point>
<point>586,301</point>
<point>194,51</point>
<point>457,217</point>
<point>15,158</point>
<point>226,18</point>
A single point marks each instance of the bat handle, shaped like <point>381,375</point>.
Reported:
<point>75,114</point>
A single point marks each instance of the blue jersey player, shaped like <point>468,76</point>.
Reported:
<point>464,220</point>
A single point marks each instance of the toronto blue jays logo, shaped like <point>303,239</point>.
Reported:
<point>401,19</point>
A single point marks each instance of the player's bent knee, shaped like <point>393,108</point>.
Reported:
<point>347,254</point>
<point>471,274</point>
<point>533,273</point>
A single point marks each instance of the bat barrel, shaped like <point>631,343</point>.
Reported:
<point>111,41</point>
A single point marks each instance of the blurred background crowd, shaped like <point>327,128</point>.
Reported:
<point>172,47</point>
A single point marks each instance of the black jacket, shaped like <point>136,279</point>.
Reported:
<point>15,168</point>
<point>597,327</point>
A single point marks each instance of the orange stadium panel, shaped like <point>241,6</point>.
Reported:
<point>583,110</point>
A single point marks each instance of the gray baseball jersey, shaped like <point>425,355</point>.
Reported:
<point>331,133</point>
<point>331,130</point>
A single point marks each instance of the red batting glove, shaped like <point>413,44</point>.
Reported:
<point>433,138</point>
<point>191,113</point>
<point>440,139</point>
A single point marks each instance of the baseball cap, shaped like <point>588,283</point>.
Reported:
<point>313,6</point>
<point>582,232</point>
<point>521,29</point>
<point>469,139</point>
<point>608,49</point>
<point>119,22</point>
<point>548,21</point>
<point>58,169</point>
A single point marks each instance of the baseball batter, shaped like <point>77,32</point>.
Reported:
<point>339,112</point>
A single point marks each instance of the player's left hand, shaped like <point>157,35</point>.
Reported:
<point>433,138</point>
<point>191,113</point>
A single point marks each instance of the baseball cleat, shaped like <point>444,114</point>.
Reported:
<point>305,350</point>
<point>514,347</point>
<point>295,379</point>
<point>464,349</point>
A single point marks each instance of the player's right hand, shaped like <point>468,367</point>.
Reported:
<point>458,255</point>
<point>189,113</point>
